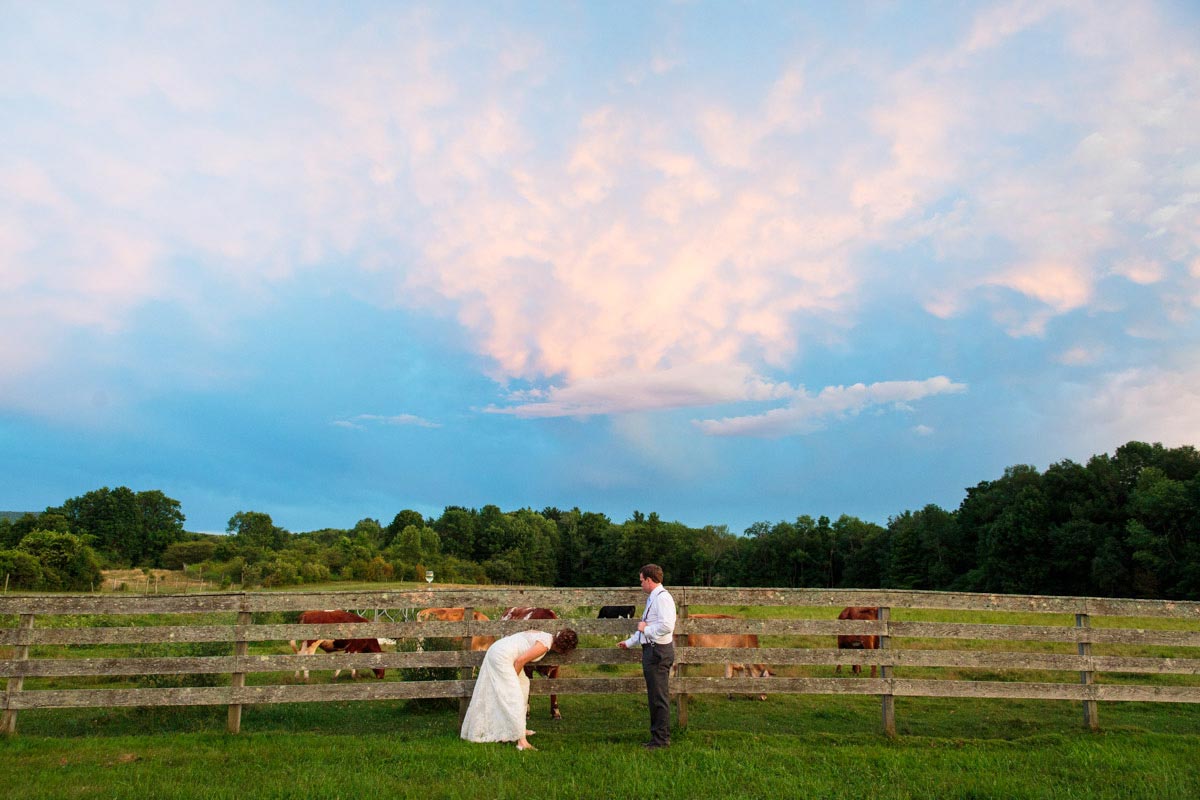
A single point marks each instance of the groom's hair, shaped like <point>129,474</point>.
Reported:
<point>652,571</point>
<point>565,641</point>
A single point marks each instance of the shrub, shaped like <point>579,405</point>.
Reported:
<point>21,570</point>
<point>66,562</point>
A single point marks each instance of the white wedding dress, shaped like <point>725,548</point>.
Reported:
<point>501,696</point>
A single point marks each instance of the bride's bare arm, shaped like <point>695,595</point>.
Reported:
<point>537,651</point>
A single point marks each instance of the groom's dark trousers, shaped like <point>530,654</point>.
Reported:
<point>656,667</point>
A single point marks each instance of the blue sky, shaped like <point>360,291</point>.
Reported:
<point>729,262</point>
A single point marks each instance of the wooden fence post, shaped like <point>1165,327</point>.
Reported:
<point>681,701</point>
<point>465,673</point>
<point>240,648</point>
<point>1091,716</point>
<point>15,683</point>
<point>885,673</point>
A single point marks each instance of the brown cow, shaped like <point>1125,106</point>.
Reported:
<point>740,640</point>
<point>550,670</point>
<point>336,645</point>
<point>858,641</point>
<point>455,615</point>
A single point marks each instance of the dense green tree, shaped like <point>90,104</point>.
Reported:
<point>715,556</point>
<point>67,562</point>
<point>1122,524</point>
<point>255,529</point>
<point>907,562</point>
<point>181,553</point>
<point>371,530</point>
<point>126,527</point>
<point>1161,534</point>
<point>416,544</point>
<point>1109,570</point>
<point>399,522</point>
<point>458,526</point>
<point>864,549</point>
<point>20,570</point>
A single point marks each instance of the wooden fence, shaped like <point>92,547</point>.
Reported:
<point>1163,635</point>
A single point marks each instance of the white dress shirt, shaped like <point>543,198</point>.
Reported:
<point>659,617</point>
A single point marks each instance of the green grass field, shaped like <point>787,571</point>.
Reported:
<point>787,746</point>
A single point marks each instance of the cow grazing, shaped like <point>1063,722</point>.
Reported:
<point>311,646</point>
<point>455,615</point>
<point>741,640</point>
<point>616,612</point>
<point>551,670</point>
<point>858,641</point>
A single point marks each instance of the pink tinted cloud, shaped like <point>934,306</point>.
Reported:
<point>654,236</point>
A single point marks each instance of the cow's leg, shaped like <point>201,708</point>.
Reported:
<point>760,671</point>
<point>309,648</point>
<point>552,674</point>
<point>295,649</point>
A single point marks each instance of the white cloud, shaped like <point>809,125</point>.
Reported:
<point>807,412</point>
<point>361,421</point>
<point>1079,356</point>
<point>923,430</point>
<point>622,393</point>
<point>1152,404</point>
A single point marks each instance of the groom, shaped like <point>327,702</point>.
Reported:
<point>654,634</point>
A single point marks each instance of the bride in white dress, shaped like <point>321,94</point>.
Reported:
<point>501,696</point>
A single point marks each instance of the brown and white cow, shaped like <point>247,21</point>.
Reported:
<point>455,615</point>
<point>551,670</point>
<point>858,641</point>
<point>333,617</point>
<point>740,640</point>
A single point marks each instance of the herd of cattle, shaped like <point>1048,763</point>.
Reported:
<point>478,643</point>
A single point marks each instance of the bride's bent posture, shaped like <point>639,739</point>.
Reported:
<point>501,696</point>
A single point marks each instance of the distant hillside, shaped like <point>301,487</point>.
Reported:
<point>13,516</point>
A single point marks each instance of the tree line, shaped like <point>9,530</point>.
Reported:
<point>1121,525</point>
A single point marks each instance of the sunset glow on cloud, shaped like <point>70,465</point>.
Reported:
<point>416,247</point>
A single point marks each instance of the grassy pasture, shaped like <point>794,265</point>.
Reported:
<point>812,747</point>
<point>801,746</point>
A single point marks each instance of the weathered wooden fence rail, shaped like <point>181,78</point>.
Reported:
<point>41,626</point>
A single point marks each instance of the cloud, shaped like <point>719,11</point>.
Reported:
<point>1079,356</point>
<point>594,244</point>
<point>1105,190</point>
<point>362,421</point>
<point>1141,271</point>
<point>1150,404</point>
<point>923,430</point>
<point>622,393</point>
<point>807,412</point>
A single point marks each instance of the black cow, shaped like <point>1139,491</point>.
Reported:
<point>616,612</point>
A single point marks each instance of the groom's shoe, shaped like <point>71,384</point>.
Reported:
<point>652,745</point>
